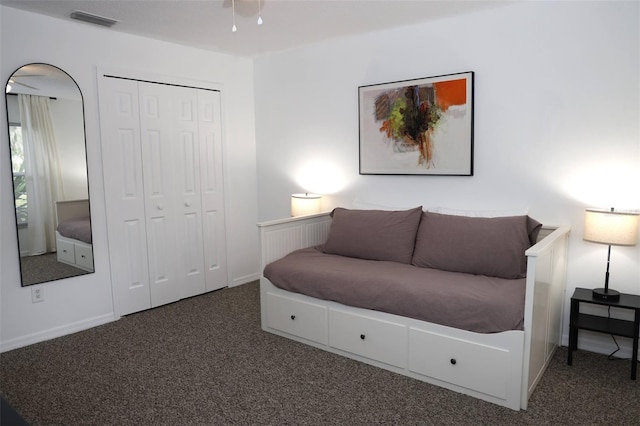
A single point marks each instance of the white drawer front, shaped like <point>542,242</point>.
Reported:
<point>473,366</point>
<point>66,251</point>
<point>84,256</point>
<point>369,337</point>
<point>302,319</point>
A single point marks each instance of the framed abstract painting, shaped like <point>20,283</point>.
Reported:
<point>417,127</point>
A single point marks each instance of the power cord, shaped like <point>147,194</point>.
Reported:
<point>611,357</point>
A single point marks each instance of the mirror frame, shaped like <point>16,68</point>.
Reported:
<point>70,274</point>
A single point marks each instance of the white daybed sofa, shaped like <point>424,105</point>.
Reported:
<point>502,367</point>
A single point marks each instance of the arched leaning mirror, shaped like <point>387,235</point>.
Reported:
<point>45,114</point>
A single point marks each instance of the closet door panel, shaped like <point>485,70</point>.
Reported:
<point>161,262</point>
<point>194,260</point>
<point>191,237</point>
<point>160,198</point>
<point>136,259</point>
<point>162,148</point>
<point>214,258</point>
<point>124,193</point>
<point>190,185</point>
<point>210,133</point>
<point>185,127</point>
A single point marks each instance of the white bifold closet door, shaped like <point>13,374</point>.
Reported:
<point>162,169</point>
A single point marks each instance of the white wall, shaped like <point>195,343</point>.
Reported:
<point>80,49</point>
<point>556,121</point>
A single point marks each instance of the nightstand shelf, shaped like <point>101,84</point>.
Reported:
<point>605,325</point>
<point>600,324</point>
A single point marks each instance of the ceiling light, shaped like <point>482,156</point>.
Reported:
<point>92,19</point>
<point>234,28</point>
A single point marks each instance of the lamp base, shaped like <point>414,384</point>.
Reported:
<point>606,294</point>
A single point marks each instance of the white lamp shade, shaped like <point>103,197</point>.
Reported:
<point>610,227</point>
<point>303,204</point>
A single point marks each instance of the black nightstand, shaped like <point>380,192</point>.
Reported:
<point>601,324</point>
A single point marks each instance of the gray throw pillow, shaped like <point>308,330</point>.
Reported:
<point>373,234</point>
<point>474,245</point>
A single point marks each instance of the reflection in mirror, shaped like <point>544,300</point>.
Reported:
<point>48,159</point>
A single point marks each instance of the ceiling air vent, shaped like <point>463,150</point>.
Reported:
<point>92,19</point>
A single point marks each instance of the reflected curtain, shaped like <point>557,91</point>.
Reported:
<point>42,172</point>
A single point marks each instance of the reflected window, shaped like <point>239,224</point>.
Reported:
<point>18,171</point>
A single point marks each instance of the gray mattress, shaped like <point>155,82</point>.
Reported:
<point>78,229</point>
<point>470,302</point>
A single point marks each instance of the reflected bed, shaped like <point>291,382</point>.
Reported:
<point>73,234</point>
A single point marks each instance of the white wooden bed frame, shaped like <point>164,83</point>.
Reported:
<point>71,251</point>
<point>502,368</point>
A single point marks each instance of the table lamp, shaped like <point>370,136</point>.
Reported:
<point>302,204</point>
<point>611,228</point>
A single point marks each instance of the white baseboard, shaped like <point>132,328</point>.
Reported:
<point>52,333</point>
<point>244,280</point>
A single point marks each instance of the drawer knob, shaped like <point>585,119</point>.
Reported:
<point>293,317</point>
<point>453,361</point>
<point>362,336</point>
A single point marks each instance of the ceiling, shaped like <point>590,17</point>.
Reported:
<point>287,24</point>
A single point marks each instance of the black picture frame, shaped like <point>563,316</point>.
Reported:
<point>417,127</point>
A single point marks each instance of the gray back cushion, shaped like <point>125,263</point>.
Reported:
<point>374,234</point>
<point>475,245</point>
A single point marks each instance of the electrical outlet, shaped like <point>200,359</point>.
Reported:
<point>37,295</point>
